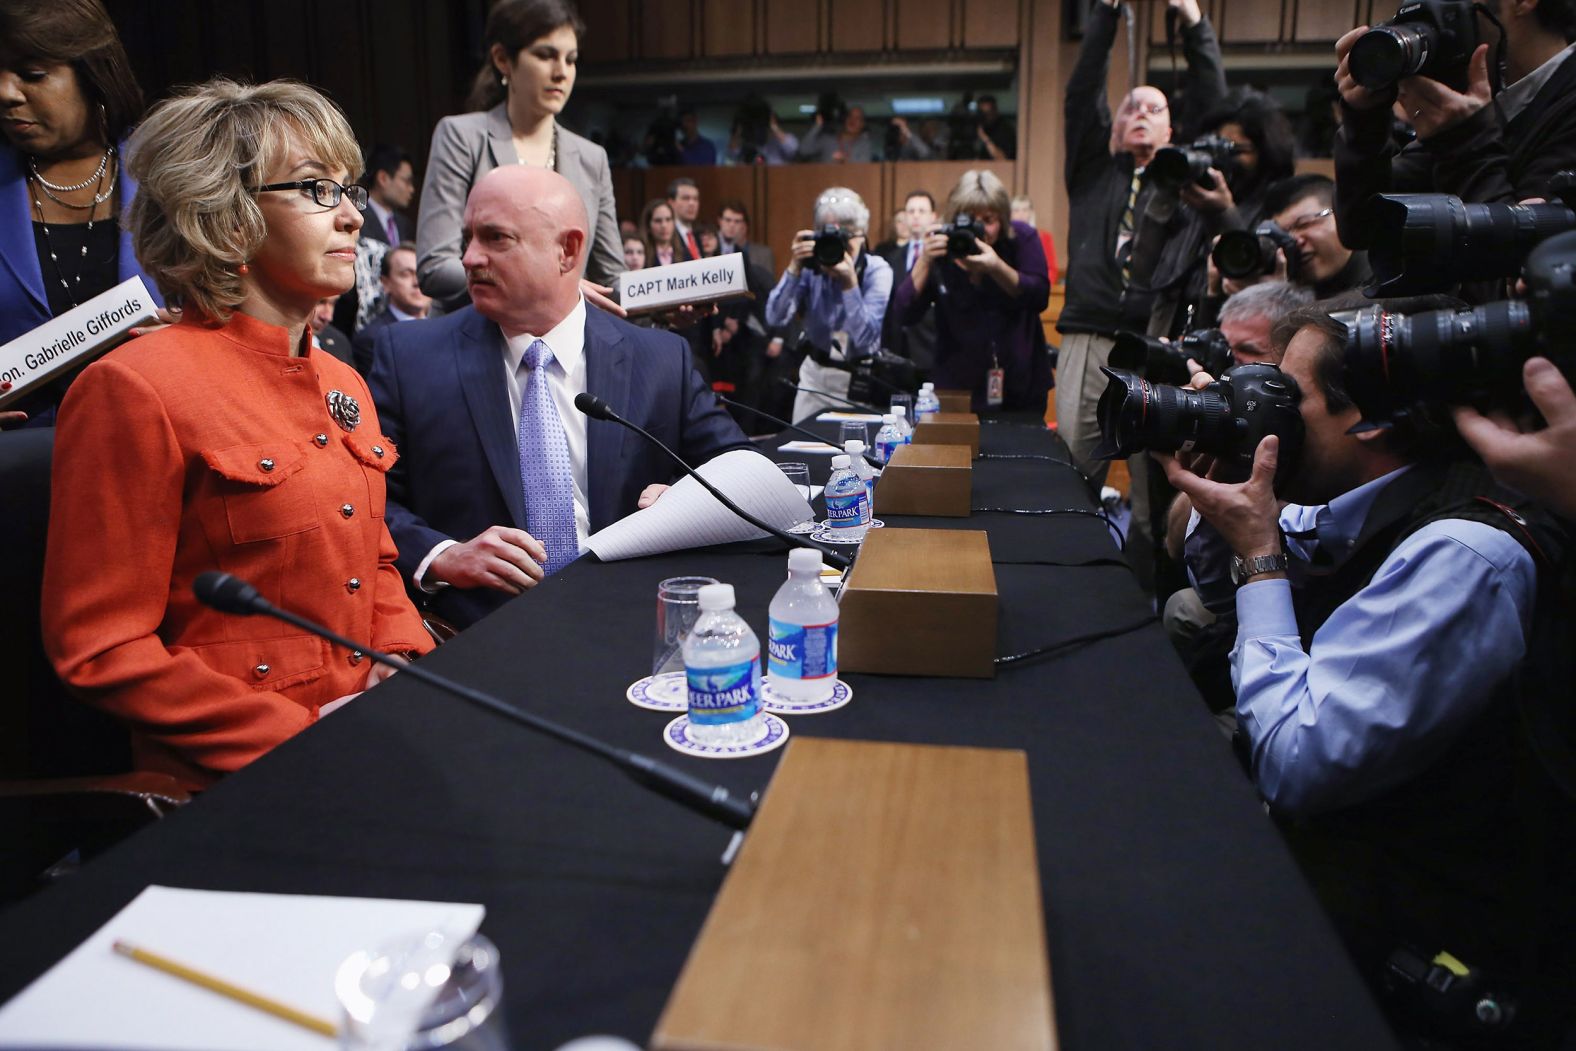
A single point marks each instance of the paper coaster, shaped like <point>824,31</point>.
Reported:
<point>842,693</point>
<point>804,527</point>
<point>668,692</point>
<point>773,733</point>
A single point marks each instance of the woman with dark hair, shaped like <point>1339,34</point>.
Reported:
<point>659,231</point>
<point>1265,153</point>
<point>67,100</point>
<point>533,47</point>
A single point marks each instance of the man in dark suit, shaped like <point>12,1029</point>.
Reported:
<point>391,184</point>
<point>733,234</point>
<point>917,342</point>
<point>403,300</point>
<point>684,199</point>
<point>500,479</point>
<point>327,337</point>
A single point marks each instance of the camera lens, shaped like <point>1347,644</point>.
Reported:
<point>1170,167</point>
<point>1240,254</point>
<point>1135,415</point>
<point>1385,54</point>
<point>1426,242</point>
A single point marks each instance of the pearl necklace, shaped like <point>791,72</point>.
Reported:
<point>71,290</point>
<point>96,177</point>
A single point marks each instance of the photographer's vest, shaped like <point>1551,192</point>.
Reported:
<point>1457,858</point>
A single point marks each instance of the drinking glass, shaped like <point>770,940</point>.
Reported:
<point>852,431</point>
<point>907,401</point>
<point>404,997</point>
<point>678,604</point>
<point>799,475</point>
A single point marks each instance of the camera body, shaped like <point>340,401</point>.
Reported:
<point>964,233</point>
<point>1161,362</point>
<point>1173,167</point>
<point>1426,38</point>
<point>1426,242</point>
<point>831,247</point>
<point>1240,255</point>
<point>1226,419</point>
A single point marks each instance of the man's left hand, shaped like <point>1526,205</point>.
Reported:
<point>843,273</point>
<point>600,296</point>
<point>1246,514</point>
<point>649,495</point>
<point>1436,107</point>
<point>1201,200</point>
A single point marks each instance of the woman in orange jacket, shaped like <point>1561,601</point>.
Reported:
<point>226,442</point>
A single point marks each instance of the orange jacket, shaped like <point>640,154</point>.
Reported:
<point>203,447</point>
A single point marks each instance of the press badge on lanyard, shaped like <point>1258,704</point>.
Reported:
<point>995,383</point>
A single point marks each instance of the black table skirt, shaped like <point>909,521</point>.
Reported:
<point>1175,917</point>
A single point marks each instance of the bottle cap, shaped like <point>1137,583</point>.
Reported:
<point>803,560</point>
<point>713,597</point>
<point>899,411</point>
<point>927,385</point>
<point>840,461</point>
<point>888,418</point>
<point>853,447</point>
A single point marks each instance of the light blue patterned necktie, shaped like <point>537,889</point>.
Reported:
<point>545,473</point>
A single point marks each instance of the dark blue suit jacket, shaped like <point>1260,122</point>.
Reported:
<point>442,398</point>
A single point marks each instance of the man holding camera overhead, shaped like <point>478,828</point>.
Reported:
<point>1387,619</point>
<point>1472,143</point>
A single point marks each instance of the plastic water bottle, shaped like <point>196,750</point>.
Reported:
<point>856,455</point>
<point>722,663</point>
<point>900,417</point>
<point>888,438</point>
<point>847,502</point>
<point>926,404</point>
<point>801,648</point>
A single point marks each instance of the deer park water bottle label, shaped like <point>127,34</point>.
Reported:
<point>802,651</point>
<point>728,694</point>
<point>847,510</point>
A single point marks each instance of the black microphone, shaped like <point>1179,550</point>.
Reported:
<point>230,594</point>
<point>598,409</point>
<point>786,382</point>
<point>784,424</point>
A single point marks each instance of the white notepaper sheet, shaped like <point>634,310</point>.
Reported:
<point>688,516</point>
<point>813,448</point>
<point>283,946</point>
<point>837,416</point>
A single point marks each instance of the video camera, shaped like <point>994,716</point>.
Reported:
<point>1173,167</point>
<point>964,234</point>
<point>1426,242</point>
<point>1240,255</point>
<point>1161,362</point>
<point>1226,419</point>
<point>1426,38</point>
<point>831,247</point>
<point>1394,362</point>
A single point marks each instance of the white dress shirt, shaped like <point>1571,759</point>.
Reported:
<point>566,377</point>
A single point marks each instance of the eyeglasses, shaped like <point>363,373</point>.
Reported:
<point>1308,222</point>
<point>325,192</point>
<point>1153,109</point>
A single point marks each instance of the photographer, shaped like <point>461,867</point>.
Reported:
<point>1539,462</point>
<point>839,135</point>
<point>1382,621</point>
<point>1475,145</point>
<point>839,304</point>
<point>1105,188</point>
<point>988,285</point>
<point>1304,207</point>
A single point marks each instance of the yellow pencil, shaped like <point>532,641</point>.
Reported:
<point>224,988</point>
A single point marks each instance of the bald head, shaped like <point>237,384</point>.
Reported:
<point>526,234</point>
<point>1142,124</point>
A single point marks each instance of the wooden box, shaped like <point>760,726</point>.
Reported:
<point>955,400</point>
<point>887,896</point>
<point>927,480</point>
<point>950,428</point>
<point>920,602</point>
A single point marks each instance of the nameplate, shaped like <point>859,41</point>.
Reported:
<point>74,338</point>
<point>698,281</point>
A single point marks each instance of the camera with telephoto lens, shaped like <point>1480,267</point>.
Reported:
<point>831,247</point>
<point>1394,362</point>
<point>1161,362</point>
<point>1174,167</point>
<point>1426,38</point>
<point>1427,242</point>
<point>1226,419</point>
<point>1240,255</point>
<point>964,234</point>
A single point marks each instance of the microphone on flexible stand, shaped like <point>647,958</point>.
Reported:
<point>598,409</point>
<point>230,594</point>
<point>783,423</point>
<point>786,382</point>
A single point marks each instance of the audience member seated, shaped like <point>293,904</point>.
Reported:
<point>533,47</point>
<point>896,237</point>
<point>987,302</point>
<point>403,300</point>
<point>250,452</point>
<point>848,299</point>
<point>1381,663</point>
<point>695,149</point>
<point>325,336</point>
<point>662,243</point>
<point>706,237</point>
<point>69,97</point>
<point>733,234</point>
<point>684,200</point>
<point>391,186</point>
<point>501,479</point>
<point>1023,212</point>
<point>634,253</point>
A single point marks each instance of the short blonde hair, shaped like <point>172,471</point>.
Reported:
<point>198,158</point>
<point>981,191</point>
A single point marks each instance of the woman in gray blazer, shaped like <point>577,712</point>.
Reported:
<point>532,50</point>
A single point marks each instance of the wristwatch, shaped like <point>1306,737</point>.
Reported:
<point>1245,569</point>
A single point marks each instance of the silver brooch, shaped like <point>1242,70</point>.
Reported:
<point>344,409</point>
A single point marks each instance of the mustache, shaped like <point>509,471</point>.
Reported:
<point>481,275</point>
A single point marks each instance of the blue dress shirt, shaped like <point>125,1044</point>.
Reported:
<point>825,308</point>
<point>1395,674</point>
